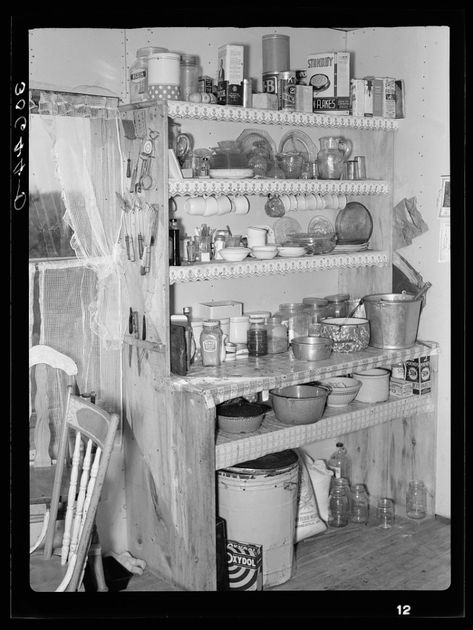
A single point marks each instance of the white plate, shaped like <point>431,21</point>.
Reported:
<point>230,173</point>
<point>282,227</point>
<point>301,143</point>
<point>347,249</point>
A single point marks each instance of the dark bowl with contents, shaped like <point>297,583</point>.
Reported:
<point>240,416</point>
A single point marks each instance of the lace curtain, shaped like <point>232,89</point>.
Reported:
<point>75,303</point>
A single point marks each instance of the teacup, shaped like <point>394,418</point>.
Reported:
<point>301,202</point>
<point>240,204</point>
<point>293,199</point>
<point>224,204</point>
<point>195,205</point>
<point>311,202</point>
<point>342,202</point>
<point>286,202</point>
<point>211,207</point>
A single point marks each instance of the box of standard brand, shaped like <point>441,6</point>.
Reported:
<point>329,76</point>
<point>230,74</point>
<point>400,388</point>
<point>220,309</point>
<point>418,373</point>
<point>245,566</point>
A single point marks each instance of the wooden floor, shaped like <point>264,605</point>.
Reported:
<point>412,555</point>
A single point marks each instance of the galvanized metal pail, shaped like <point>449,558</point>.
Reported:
<point>394,319</point>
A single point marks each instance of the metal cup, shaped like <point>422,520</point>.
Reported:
<point>351,168</point>
<point>361,164</point>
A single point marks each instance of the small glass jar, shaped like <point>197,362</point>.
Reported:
<point>416,500</point>
<point>337,305</point>
<point>385,513</point>
<point>257,337</point>
<point>344,483</point>
<point>139,73</point>
<point>277,336</point>
<point>360,504</point>
<point>293,315</point>
<point>239,329</point>
<point>189,76</point>
<point>339,507</point>
<point>211,342</point>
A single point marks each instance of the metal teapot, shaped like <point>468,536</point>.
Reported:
<point>334,152</point>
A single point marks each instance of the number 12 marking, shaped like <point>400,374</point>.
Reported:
<point>404,610</point>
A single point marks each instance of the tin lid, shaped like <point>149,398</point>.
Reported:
<point>275,52</point>
<point>189,60</point>
<point>239,318</point>
<point>256,320</point>
<point>165,55</point>
<point>146,51</point>
<point>315,301</point>
<point>211,323</point>
<point>338,297</point>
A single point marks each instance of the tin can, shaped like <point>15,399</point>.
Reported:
<point>287,90</point>
<point>205,84</point>
<point>270,82</point>
<point>398,370</point>
<point>301,77</point>
<point>247,92</point>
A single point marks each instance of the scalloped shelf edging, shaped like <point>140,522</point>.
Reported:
<point>273,436</point>
<point>226,113</point>
<point>276,266</point>
<point>258,186</point>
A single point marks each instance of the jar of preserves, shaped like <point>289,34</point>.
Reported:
<point>211,342</point>
<point>257,337</point>
<point>295,318</point>
<point>139,73</point>
<point>337,305</point>
<point>277,336</point>
<point>189,76</point>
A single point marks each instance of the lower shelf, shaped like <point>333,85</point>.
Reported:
<point>273,436</point>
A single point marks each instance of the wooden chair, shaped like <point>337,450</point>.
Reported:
<point>61,567</point>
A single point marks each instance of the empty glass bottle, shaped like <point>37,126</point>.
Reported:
<point>416,500</point>
<point>340,462</point>
<point>339,507</point>
<point>359,504</point>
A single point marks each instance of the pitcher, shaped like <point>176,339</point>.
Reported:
<point>334,151</point>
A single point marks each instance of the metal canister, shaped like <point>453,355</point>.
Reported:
<point>270,82</point>
<point>301,77</point>
<point>247,92</point>
<point>205,84</point>
<point>287,90</point>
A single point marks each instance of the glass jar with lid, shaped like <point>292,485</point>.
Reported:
<point>293,315</point>
<point>139,73</point>
<point>316,308</point>
<point>257,337</point>
<point>211,343</point>
<point>277,336</point>
<point>337,305</point>
<point>189,76</point>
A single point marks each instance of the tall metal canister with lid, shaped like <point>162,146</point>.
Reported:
<point>275,60</point>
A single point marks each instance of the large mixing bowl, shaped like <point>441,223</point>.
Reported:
<point>349,334</point>
<point>299,404</point>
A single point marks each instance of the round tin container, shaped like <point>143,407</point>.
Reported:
<point>270,82</point>
<point>287,90</point>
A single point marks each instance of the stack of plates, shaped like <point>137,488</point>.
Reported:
<point>348,249</point>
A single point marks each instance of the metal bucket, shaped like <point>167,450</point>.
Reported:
<point>394,319</point>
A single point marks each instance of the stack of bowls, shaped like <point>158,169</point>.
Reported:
<point>344,390</point>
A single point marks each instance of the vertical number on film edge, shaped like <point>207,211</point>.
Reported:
<point>19,125</point>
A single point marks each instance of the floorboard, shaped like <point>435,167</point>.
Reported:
<point>412,555</point>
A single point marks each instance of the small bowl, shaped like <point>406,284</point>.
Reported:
<point>240,416</point>
<point>311,348</point>
<point>264,252</point>
<point>291,251</point>
<point>344,390</point>
<point>234,254</point>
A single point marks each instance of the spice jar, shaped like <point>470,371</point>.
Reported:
<point>337,305</point>
<point>277,336</point>
<point>211,342</point>
<point>294,317</point>
<point>189,76</point>
<point>139,73</point>
<point>257,337</point>
<point>416,500</point>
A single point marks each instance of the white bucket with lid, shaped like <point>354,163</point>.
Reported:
<point>258,501</point>
<point>374,385</point>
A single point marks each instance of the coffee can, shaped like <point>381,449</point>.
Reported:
<point>270,82</point>
<point>247,92</point>
<point>287,90</point>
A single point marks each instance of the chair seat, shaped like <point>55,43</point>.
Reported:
<point>45,574</point>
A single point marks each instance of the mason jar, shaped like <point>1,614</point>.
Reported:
<point>295,318</point>
<point>416,500</point>
<point>277,336</point>
<point>337,305</point>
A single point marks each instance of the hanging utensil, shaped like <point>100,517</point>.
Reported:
<point>422,291</point>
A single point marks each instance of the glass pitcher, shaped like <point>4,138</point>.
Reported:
<point>334,152</point>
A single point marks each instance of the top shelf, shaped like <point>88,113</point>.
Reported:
<point>226,113</point>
